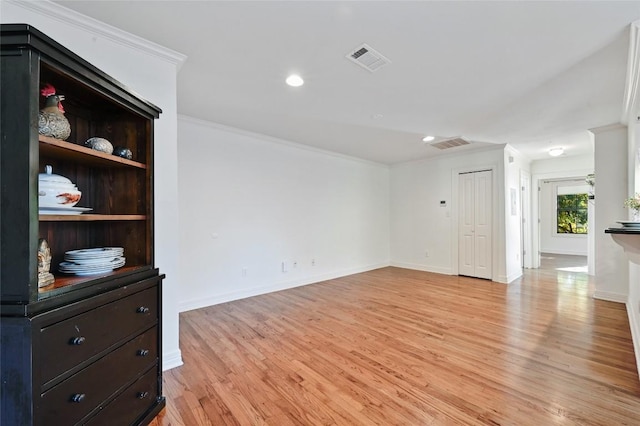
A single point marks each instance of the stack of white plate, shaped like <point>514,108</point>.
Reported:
<point>92,261</point>
<point>629,224</point>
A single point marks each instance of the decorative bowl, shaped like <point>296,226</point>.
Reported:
<point>56,191</point>
<point>100,144</point>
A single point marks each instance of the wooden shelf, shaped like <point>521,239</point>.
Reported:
<point>90,217</point>
<point>63,149</point>
<point>65,281</point>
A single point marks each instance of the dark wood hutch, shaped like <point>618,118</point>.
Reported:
<point>85,349</point>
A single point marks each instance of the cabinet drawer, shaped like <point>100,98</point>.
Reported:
<point>74,340</point>
<point>131,404</point>
<point>74,398</point>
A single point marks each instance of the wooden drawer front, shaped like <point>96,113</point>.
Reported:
<point>72,341</point>
<point>71,400</point>
<point>131,404</point>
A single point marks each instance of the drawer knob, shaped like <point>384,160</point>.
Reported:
<point>143,395</point>
<point>78,397</point>
<point>143,352</point>
<point>142,310</point>
<point>77,340</point>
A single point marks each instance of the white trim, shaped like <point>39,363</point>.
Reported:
<point>510,278</point>
<point>565,252</point>
<point>270,288</point>
<point>610,296</point>
<point>455,153</point>
<point>99,28</point>
<point>632,87</point>
<point>425,268</point>
<point>171,360</point>
<point>291,144</point>
<point>536,181</point>
<point>635,332</point>
<point>607,128</point>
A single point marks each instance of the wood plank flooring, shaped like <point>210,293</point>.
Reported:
<point>401,347</point>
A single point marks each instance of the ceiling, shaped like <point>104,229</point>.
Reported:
<point>531,74</point>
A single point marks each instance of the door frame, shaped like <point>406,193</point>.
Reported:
<point>526,223</point>
<point>536,181</point>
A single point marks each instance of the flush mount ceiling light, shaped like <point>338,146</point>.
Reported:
<point>294,80</point>
<point>554,152</point>
<point>428,138</point>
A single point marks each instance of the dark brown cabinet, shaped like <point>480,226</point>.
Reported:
<point>87,348</point>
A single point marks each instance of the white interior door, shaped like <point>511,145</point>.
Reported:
<point>475,224</point>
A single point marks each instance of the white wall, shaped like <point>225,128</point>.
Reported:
<point>150,70</point>
<point>423,233</point>
<point>249,202</point>
<point>612,266</point>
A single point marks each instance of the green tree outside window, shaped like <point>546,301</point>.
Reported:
<point>572,214</point>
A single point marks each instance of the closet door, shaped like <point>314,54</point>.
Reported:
<point>475,219</point>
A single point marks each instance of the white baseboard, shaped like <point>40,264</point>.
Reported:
<point>567,252</point>
<point>425,268</point>
<point>610,296</point>
<point>189,305</point>
<point>171,360</point>
<point>635,333</point>
<point>507,279</point>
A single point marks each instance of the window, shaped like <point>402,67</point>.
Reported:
<point>572,213</point>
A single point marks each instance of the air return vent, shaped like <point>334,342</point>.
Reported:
<point>450,143</point>
<point>368,58</point>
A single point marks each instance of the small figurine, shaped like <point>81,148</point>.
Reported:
<point>123,152</point>
<point>45,277</point>
<point>51,119</point>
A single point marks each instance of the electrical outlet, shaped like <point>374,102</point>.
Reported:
<point>244,272</point>
<point>313,262</point>
<point>426,254</point>
<point>295,264</point>
<point>285,267</point>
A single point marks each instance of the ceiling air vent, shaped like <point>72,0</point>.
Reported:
<point>450,143</point>
<point>368,58</point>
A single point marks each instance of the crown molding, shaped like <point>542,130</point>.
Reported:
<point>71,17</point>
<point>272,139</point>
<point>631,104</point>
<point>608,128</point>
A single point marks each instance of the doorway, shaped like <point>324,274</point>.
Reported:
<point>475,255</point>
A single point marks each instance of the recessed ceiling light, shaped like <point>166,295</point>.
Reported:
<point>428,138</point>
<point>554,152</point>
<point>294,80</point>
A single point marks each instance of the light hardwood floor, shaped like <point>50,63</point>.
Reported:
<point>402,347</point>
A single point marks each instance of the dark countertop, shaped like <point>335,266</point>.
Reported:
<point>621,230</point>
